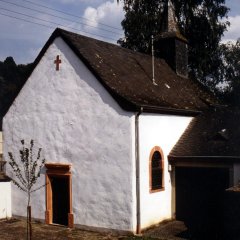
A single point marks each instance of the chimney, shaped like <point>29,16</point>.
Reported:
<point>170,44</point>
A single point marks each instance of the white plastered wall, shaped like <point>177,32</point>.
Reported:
<point>1,151</point>
<point>5,193</point>
<point>236,174</point>
<point>5,200</point>
<point>163,131</point>
<point>75,120</point>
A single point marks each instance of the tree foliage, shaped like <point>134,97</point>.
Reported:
<point>12,78</point>
<point>230,72</point>
<point>142,19</point>
<point>29,172</point>
<point>200,21</point>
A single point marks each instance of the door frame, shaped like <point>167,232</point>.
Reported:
<point>57,170</point>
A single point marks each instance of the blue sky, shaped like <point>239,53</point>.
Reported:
<point>97,18</point>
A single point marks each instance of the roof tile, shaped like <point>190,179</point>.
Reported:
<point>127,75</point>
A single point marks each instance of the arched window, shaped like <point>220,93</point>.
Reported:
<point>156,172</point>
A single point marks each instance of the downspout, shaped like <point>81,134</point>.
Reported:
<point>137,154</point>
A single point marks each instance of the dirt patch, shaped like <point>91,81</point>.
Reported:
<point>15,229</point>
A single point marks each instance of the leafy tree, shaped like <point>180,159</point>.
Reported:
<point>200,21</point>
<point>142,19</point>
<point>27,174</point>
<point>230,72</point>
<point>12,78</point>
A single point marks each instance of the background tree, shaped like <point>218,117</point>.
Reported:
<point>230,72</point>
<point>12,78</point>
<point>142,19</point>
<point>200,21</point>
<point>27,174</point>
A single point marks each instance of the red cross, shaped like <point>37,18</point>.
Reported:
<point>57,62</point>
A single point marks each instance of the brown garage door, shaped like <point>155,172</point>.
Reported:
<point>199,196</point>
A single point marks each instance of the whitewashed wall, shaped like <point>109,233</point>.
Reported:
<point>236,174</point>
<point>73,118</point>
<point>5,200</point>
<point>1,151</point>
<point>5,193</point>
<point>163,131</point>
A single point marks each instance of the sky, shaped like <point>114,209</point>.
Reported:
<point>27,24</point>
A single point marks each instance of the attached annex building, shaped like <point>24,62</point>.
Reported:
<point>107,133</point>
<point>5,188</point>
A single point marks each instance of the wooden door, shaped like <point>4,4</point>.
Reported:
<point>60,200</point>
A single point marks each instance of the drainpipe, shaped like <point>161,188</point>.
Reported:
<point>138,227</point>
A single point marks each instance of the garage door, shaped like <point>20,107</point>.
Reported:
<point>199,196</point>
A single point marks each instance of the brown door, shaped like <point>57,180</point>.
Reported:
<point>59,194</point>
<point>199,198</point>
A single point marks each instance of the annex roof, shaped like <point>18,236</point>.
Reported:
<point>211,135</point>
<point>127,75</point>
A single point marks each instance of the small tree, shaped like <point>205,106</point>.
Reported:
<point>27,175</point>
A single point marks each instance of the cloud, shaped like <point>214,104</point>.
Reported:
<point>82,1</point>
<point>233,32</point>
<point>103,16</point>
<point>22,40</point>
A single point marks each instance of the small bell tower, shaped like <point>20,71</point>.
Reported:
<point>170,44</point>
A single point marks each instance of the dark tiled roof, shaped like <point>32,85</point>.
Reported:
<point>127,75</point>
<point>213,134</point>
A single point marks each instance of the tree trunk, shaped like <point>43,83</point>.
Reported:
<point>29,223</point>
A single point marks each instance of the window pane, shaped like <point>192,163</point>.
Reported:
<point>156,156</point>
<point>156,178</point>
<point>156,160</point>
<point>157,171</point>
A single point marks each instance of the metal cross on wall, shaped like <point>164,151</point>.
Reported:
<point>57,62</point>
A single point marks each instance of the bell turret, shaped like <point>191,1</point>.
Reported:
<point>170,44</point>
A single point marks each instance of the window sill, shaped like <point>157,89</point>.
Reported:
<point>157,190</point>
